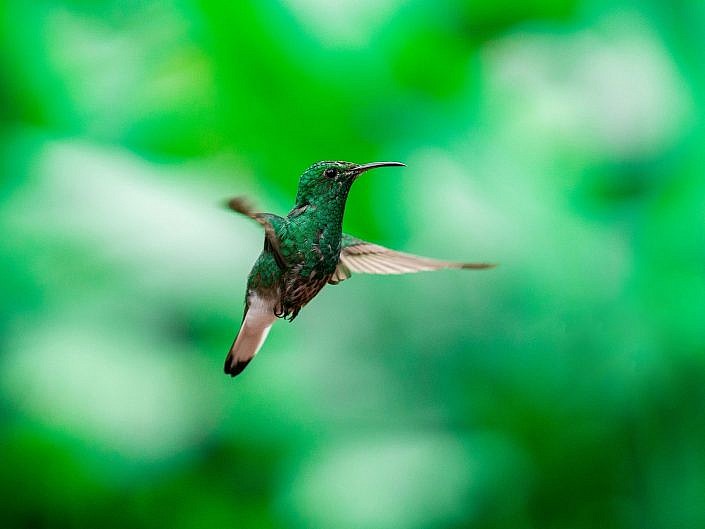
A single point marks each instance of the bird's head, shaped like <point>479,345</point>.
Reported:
<point>324,181</point>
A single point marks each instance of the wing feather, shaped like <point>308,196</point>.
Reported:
<point>358,256</point>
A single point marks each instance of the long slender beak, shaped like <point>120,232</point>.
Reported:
<point>366,167</point>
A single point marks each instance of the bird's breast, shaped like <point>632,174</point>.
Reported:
<point>314,242</point>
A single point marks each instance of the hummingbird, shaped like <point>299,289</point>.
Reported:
<point>307,250</point>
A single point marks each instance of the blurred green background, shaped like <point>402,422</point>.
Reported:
<point>560,138</point>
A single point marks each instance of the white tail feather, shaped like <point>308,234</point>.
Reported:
<point>254,330</point>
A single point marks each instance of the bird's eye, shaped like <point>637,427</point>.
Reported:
<point>330,172</point>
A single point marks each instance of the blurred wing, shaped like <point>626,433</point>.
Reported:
<point>242,206</point>
<point>366,258</point>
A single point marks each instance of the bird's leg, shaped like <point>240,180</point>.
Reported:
<point>240,205</point>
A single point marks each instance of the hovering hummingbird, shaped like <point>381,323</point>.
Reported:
<point>306,250</point>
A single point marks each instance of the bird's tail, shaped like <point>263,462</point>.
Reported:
<point>253,332</point>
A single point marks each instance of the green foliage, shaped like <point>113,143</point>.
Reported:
<point>559,138</point>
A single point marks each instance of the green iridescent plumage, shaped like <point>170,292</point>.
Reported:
<point>306,250</point>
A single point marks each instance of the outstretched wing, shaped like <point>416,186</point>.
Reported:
<point>365,257</point>
<point>266,220</point>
